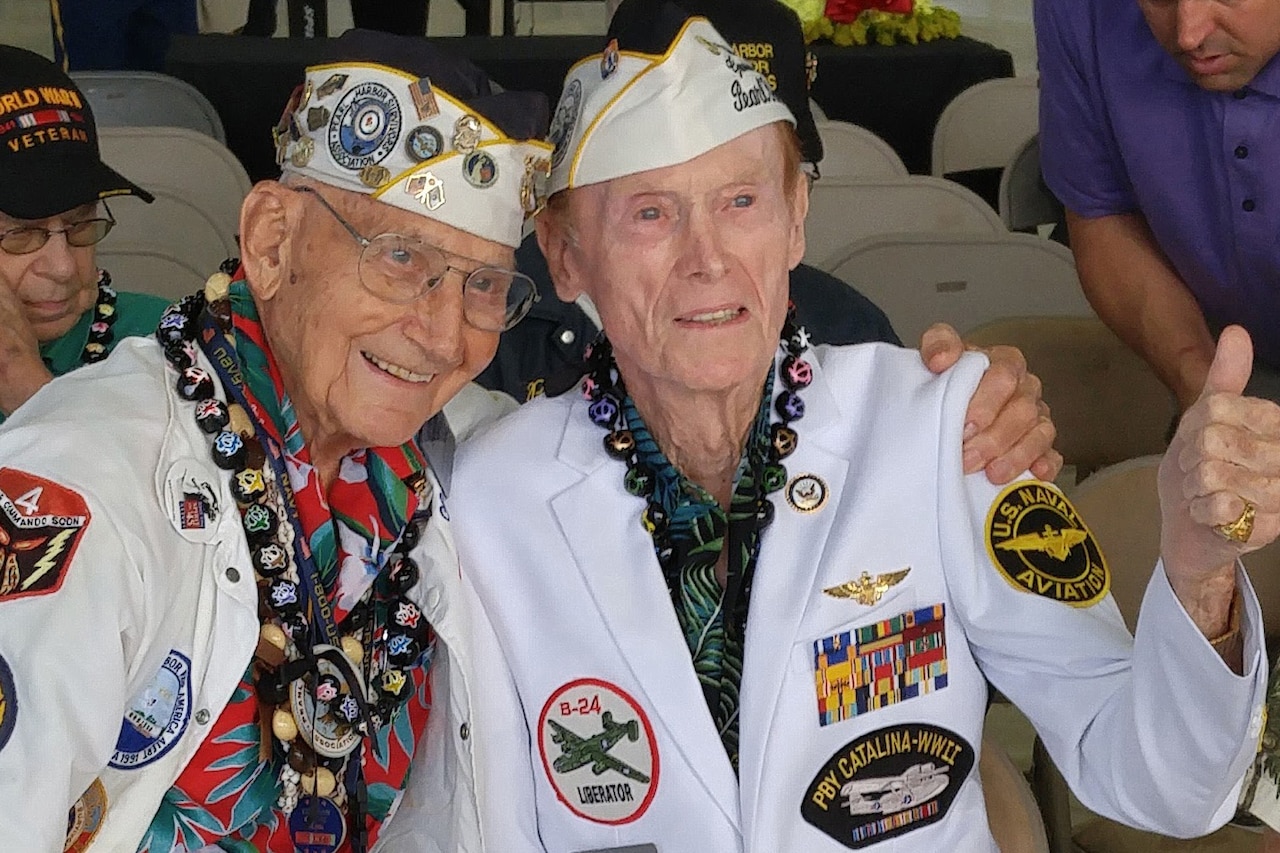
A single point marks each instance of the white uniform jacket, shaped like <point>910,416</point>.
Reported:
<point>862,703</point>
<point>154,613</point>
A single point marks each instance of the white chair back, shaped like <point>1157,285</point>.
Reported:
<point>145,99</point>
<point>184,164</point>
<point>146,269</point>
<point>985,124</point>
<point>842,210</point>
<point>849,151</point>
<point>961,279</point>
<point>173,225</point>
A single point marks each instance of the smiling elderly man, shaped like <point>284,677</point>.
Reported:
<point>225,568</point>
<point>744,596</point>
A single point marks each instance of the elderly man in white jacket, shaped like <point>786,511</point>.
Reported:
<point>228,601</point>
<point>745,597</point>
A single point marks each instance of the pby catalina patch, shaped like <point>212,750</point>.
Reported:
<point>880,664</point>
<point>599,751</point>
<point>1039,543</point>
<point>41,524</point>
<point>887,783</point>
<point>157,716</point>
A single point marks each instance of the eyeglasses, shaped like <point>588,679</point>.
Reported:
<point>27,239</point>
<point>403,269</point>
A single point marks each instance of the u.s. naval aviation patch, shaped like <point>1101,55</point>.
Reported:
<point>1041,545</point>
<point>887,783</point>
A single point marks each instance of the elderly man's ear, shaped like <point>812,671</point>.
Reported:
<point>799,210</point>
<point>268,219</point>
<point>557,242</point>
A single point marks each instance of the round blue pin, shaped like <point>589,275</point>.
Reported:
<point>8,703</point>
<point>317,826</point>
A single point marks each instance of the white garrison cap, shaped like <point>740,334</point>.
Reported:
<point>623,112</point>
<point>372,129</point>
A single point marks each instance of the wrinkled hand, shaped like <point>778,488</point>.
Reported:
<point>22,372</point>
<point>1007,429</point>
<point>1226,451</point>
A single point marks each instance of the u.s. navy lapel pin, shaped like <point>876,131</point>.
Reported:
<point>807,493</point>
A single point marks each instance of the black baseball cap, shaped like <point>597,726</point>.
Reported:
<point>49,154</point>
<point>763,32</point>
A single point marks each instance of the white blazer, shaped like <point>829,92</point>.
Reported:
<point>594,733</point>
<point>143,596</point>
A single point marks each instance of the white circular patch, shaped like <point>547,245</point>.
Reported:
<point>365,126</point>
<point>599,751</point>
<point>191,496</point>
<point>157,716</point>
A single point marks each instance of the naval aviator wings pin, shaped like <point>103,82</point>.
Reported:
<point>868,590</point>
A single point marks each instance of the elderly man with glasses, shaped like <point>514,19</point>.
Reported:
<point>229,603</point>
<point>57,309</point>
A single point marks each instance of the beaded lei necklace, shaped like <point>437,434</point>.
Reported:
<point>104,317</point>
<point>319,700</point>
<point>604,387</point>
<point>739,530</point>
<point>98,344</point>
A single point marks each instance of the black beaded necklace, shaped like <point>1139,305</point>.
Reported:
<point>349,690</point>
<point>104,317</point>
<point>98,344</point>
<point>739,530</point>
<point>604,387</point>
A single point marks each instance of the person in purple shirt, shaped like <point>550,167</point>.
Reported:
<point>1160,133</point>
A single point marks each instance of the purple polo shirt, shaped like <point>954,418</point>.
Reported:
<point>1123,129</point>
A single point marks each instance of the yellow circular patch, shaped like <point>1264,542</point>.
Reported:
<point>1040,544</point>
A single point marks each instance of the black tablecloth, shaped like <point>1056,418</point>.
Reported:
<point>897,92</point>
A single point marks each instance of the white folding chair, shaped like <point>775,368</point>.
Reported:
<point>145,99</point>
<point>146,269</point>
<point>184,164</point>
<point>173,225</point>
<point>985,124</point>
<point>961,279</point>
<point>819,114</point>
<point>849,151</point>
<point>1107,402</point>
<point>842,210</point>
<point>1025,202</point>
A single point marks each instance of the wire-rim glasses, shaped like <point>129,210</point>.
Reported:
<point>404,269</point>
<point>26,239</point>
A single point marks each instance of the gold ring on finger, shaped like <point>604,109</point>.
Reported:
<point>1242,528</point>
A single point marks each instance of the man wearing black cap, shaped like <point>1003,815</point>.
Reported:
<point>57,309</point>
<point>548,346</point>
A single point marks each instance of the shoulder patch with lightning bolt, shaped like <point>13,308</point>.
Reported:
<point>41,523</point>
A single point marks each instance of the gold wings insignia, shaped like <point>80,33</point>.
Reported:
<point>868,590</point>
